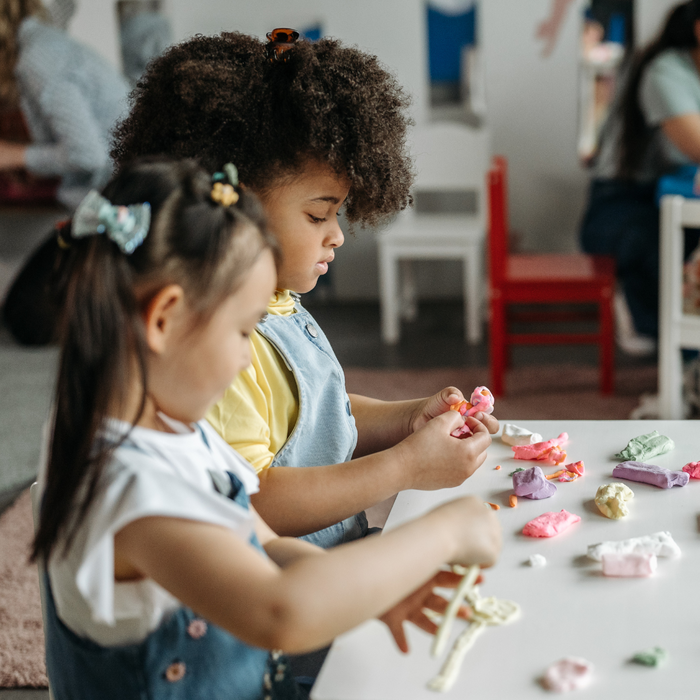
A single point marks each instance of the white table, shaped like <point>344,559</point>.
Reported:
<point>569,608</point>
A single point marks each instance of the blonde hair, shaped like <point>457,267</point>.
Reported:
<point>12,13</point>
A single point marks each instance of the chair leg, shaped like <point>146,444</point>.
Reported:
<point>388,296</point>
<point>497,344</point>
<point>408,309</point>
<point>607,343</point>
<point>472,296</point>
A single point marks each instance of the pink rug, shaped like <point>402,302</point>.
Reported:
<point>534,393</point>
<point>21,631</point>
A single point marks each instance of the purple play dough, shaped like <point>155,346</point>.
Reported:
<point>531,483</point>
<point>650,474</point>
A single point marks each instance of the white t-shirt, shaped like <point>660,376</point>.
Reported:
<point>152,473</point>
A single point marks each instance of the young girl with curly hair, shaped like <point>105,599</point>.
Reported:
<point>313,129</point>
<point>162,581</point>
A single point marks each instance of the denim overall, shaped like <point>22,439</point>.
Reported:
<point>186,658</point>
<point>325,431</point>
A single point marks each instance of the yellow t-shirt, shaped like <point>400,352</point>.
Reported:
<point>259,410</point>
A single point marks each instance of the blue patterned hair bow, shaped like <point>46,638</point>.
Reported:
<point>127,226</point>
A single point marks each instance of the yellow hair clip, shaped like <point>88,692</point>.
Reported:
<point>224,194</point>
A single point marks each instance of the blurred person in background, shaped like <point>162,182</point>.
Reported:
<point>69,97</point>
<point>653,128</point>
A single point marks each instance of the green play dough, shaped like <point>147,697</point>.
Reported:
<point>515,471</point>
<point>645,446</point>
<point>650,657</point>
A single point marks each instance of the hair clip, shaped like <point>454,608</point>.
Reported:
<point>279,42</point>
<point>127,226</point>
<point>223,192</point>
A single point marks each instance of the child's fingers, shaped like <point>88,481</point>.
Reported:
<point>450,420</point>
<point>422,621</point>
<point>450,579</point>
<point>438,604</point>
<point>489,421</point>
<point>397,632</point>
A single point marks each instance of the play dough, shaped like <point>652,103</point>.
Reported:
<point>480,400</point>
<point>515,435</point>
<point>537,561</point>
<point>646,446</point>
<point>650,474</point>
<point>692,469</point>
<point>660,543</point>
<point>611,500</point>
<point>650,657</point>
<point>629,565</point>
<point>467,582</point>
<point>571,673</point>
<point>532,483</point>
<point>549,451</point>
<point>485,612</point>
<point>550,524</point>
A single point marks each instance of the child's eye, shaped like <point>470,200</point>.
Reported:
<point>316,219</point>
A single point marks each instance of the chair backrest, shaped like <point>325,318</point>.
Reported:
<point>498,225</point>
<point>450,156</point>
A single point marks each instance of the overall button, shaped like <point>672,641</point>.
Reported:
<point>263,319</point>
<point>311,330</point>
<point>175,672</point>
<point>348,408</point>
<point>197,629</point>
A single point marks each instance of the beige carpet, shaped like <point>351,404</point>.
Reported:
<point>535,393</point>
<point>21,631</point>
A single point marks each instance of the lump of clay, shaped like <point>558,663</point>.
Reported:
<point>549,451</point>
<point>650,474</point>
<point>480,400</point>
<point>537,561</point>
<point>571,673</point>
<point>650,657</point>
<point>692,469</point>
<point>646,446</point>
<point>629,565</point>
<point>611,500</point>
<point>660,543</point>
<point>515,435</point>
<point>550,524</point>
<point>532,483</point>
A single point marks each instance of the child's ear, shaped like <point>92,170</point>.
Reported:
<point>163,315</point>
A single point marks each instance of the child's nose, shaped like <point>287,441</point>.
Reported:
<point>335,237</point>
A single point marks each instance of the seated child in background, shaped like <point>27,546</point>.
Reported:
<point>321,130</point>
<point>162,579</point>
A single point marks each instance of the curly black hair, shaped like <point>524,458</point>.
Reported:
<point>218,99</point>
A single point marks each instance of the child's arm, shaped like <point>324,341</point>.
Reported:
<point>304,605</point>
<point>382,424</point>
<point>296,501</point>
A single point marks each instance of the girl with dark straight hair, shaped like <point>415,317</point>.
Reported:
<point>162,581</point>
<point>653,128</point>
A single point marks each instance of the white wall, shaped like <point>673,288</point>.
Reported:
<point>95,24</point>
<point>649,16</point>
<point>532,105</point>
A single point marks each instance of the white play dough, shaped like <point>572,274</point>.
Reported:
<point>660,543</point>
<point>515,435</point>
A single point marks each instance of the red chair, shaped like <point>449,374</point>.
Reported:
<point>567,278</point>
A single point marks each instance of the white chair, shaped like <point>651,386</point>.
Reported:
<point>677,329</point>
<point>450,158</point>
<point>35,495</point>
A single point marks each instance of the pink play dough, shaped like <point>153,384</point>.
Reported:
<point>548,451</point>
<point>629,565</point>
<point>693,469</point>
<point>571,673</point>
<point>550,524</point>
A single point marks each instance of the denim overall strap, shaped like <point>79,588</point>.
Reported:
<point>325,431</point>
<point>185,658</point>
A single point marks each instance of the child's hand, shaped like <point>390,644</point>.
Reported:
<point>475,528</point>
<point>411,608</point>
<point>439,403</point>
<point>433,459</point>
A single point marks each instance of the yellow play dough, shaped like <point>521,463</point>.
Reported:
<point>611,500</point>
